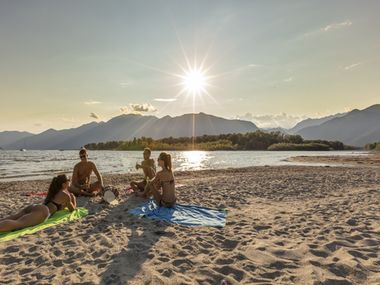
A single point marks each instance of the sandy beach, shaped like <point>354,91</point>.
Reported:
<point>285,225</point>
<point>372,159</point>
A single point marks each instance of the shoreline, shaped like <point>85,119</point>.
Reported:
<point>370,160</point>
<point>285,225</point>
<point>288,160</point>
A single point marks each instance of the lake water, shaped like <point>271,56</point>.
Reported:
<point>25,165</point>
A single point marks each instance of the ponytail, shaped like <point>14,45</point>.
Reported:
<point>167,159</point>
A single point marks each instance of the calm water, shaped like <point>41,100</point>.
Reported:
<point>18,165</point>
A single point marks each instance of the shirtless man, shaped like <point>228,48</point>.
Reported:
<point>81,185</point>
<point>149,168</point>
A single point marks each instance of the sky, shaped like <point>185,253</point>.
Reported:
<point>66,63</point>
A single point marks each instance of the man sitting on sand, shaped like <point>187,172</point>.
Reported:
<point>149,168</point>
<point>81,185</point>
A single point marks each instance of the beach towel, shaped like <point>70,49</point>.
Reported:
<point>185,215</point>
<point>59,217</point>
<point>35,194</point>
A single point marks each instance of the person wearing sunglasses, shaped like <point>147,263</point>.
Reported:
<point>81,185</point>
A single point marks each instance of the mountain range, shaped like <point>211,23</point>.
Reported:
<point>127,127</point>
<point>355,128</point>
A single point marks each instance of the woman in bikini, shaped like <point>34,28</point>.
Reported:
<point>164,180</point>
<point>58,198</point>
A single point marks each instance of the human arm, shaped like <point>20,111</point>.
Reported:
<point>98,176</point>
<point>70,202</point>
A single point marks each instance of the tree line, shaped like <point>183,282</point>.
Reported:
<point>258,140</point>
<point>373,146</point>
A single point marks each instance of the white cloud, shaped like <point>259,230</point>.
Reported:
<point>254,65</point>
<point>290,79</point>
<point>124,84</point>
<point>352,66</point>
<point>95,116</point>
<point>165,99</point>
<point>91,102</point>
<point>124,109</point>
<point>336,26</point>
<point>138,108</point>
<point>146,107</point>
<point>273,120</point>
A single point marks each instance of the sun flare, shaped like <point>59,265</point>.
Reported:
<point>194,81</point>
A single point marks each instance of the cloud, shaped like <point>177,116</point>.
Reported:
<point>91,102</point>
<point>95,116</point>
<point>138,108</point>
<point>336,26</point>
<point>165,99</point>
<point>124,109</point>
<point>352,66</point>
<point>124,84</point>
<point>252,65</point>
<point>273,120</point>
<point>146,107</point>
<point>290,79</point>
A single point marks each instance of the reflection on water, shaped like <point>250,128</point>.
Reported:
<point>18,165</point>
<point>194,160</point>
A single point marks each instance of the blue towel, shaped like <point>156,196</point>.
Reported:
<point>186,215</point>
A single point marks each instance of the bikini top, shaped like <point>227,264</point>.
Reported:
<point>59,206</point>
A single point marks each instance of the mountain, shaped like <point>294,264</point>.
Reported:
<point>278,129</point>
<point>313,122</point>
<point>356,128</point>
<point>9,137</point>
<point>126,127</point>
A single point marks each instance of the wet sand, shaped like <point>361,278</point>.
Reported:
<point>285,225</point>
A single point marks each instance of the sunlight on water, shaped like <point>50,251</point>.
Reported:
<point>34,164</point>
<point>194,159</point>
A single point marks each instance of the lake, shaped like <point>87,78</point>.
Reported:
<point>34,164</point>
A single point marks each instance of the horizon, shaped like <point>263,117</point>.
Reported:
<point>69,63</point>
<point>140,114</point>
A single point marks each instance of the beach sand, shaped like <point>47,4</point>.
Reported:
<point>285,225</point>
<point>372,159</point>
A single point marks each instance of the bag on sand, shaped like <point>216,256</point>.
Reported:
<point>110,194</point>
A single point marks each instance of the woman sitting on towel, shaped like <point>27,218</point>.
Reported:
<point>58,198</point>
<point>164,180</point>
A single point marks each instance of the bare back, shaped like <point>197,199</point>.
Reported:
<point>167,183</point>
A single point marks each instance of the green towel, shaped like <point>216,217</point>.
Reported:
<point>58,218</point>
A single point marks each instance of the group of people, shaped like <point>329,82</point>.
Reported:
<point>62,191</point>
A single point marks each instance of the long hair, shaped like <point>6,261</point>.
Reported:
<point>167,160</point>
<point>55,186</point>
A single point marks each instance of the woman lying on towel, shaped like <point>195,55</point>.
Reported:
<point>58,198</point>
<point>164,180</point>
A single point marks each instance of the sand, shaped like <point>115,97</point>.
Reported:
<point>285,225</point>
<point>369,160</point>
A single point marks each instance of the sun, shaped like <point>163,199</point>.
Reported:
<point>194,81</point>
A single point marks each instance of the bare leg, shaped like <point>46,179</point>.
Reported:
<point>18,215</point>
<point>37,215</point>
<point>146,191</point>
<point>157,195</point>
<point>79,192</point>
<point>95,188</point>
